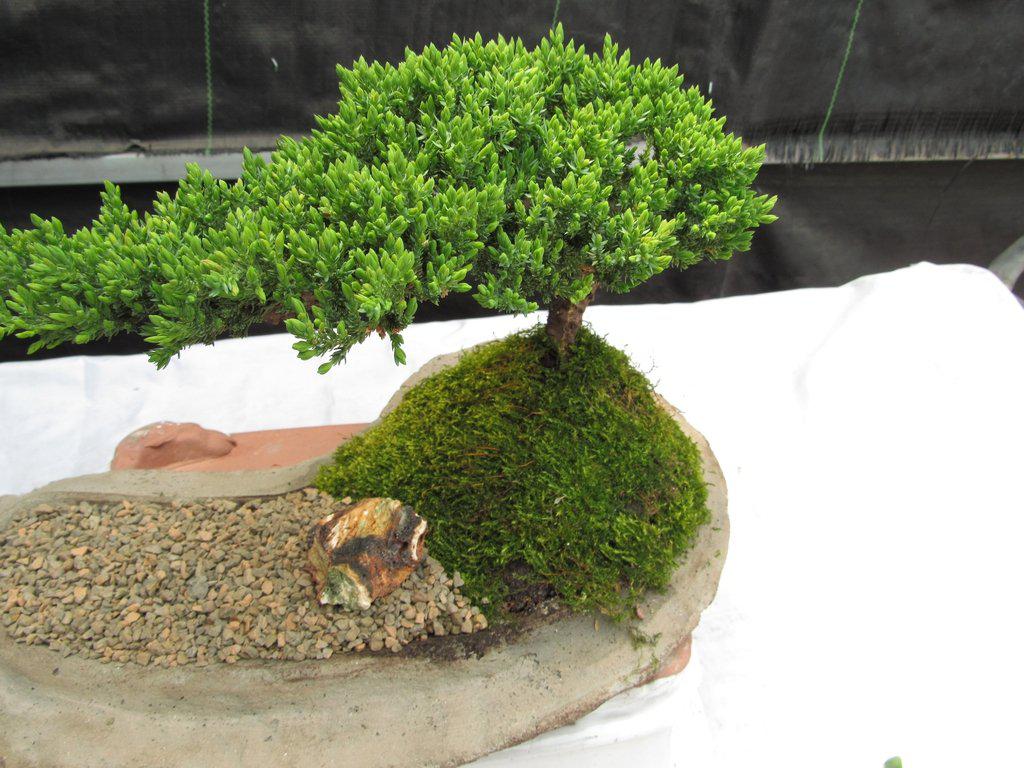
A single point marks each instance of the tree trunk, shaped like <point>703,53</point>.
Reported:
<point>564,321</point>
<point>276,314</point>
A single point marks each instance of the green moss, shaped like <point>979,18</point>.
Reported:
<point>573,472</point>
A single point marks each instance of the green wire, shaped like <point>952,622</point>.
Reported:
<point>554,18</point>
<point>839,80</point>
<point>209,76</point>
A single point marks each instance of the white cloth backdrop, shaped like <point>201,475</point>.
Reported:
<point>871,436</point>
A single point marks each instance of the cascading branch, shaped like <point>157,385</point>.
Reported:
<point>529,177</point>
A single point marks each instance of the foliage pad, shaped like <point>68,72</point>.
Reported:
<point>522,175</point>
<point>574,472</point>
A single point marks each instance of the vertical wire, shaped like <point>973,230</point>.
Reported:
<point>209,76</point>
<point>839,80</point>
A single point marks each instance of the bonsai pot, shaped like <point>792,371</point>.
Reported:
<point>450,701</point>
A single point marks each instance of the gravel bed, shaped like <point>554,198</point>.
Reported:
<point>195,583</point>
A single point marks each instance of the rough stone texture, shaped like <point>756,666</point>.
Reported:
<point>365,551</point>
<point>201,582</point>
<point>166,442</point>
<point>326,713</point>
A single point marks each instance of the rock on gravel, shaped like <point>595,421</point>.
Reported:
<point>202,582</point>
<point>365,551</point>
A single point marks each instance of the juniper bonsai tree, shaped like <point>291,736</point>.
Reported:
<point>529,177</point>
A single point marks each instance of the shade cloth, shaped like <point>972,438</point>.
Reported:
<point>872,437</point>
<point>915,79</point>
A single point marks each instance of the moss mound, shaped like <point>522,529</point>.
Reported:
<point>571,477</point>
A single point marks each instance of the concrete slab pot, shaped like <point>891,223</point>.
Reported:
<point>354,709</point>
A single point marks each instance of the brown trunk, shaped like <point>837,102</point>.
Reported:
<point>564,321</point>
<point>277,314</point>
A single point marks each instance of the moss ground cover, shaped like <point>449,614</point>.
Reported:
<point>572,475</point>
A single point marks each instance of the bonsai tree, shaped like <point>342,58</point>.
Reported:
<point>528,177</point>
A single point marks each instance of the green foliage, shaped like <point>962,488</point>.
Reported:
<point>521,175</point>
<point>573,474</point>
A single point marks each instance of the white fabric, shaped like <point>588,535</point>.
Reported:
<point>871,436</point>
